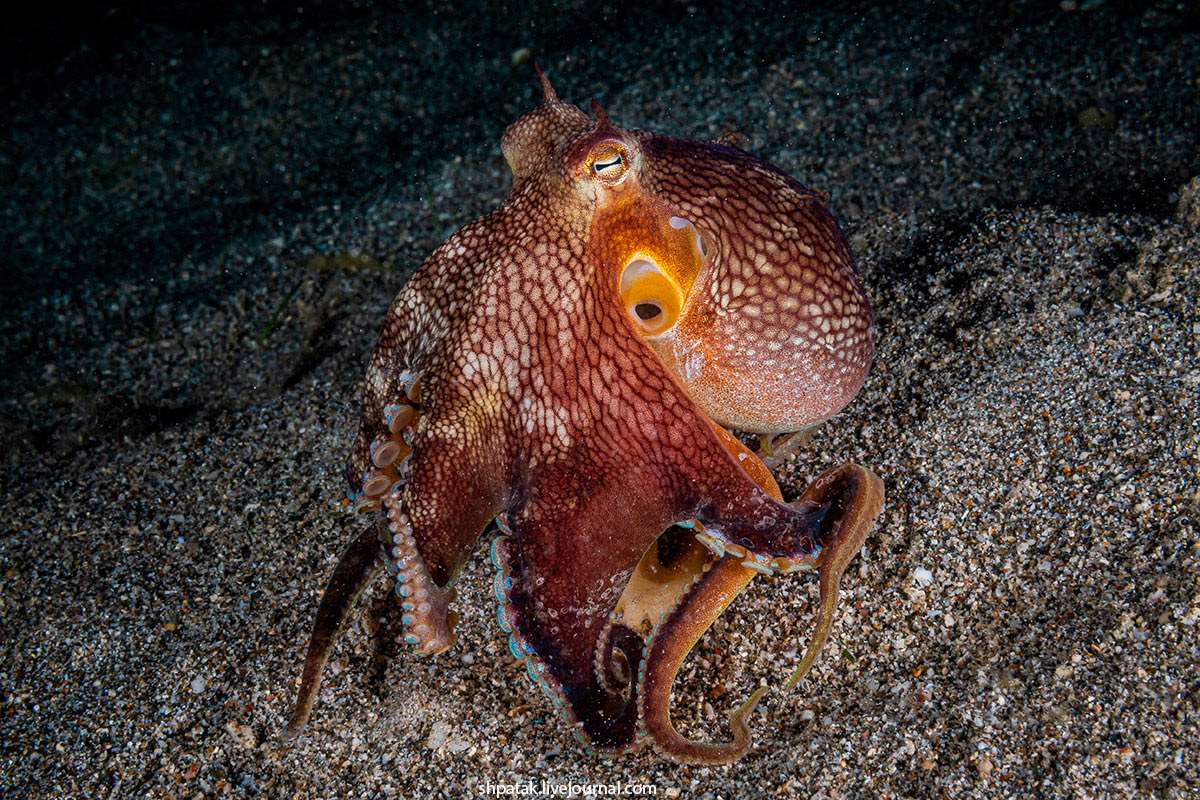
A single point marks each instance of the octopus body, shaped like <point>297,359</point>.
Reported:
<point>570,366</point>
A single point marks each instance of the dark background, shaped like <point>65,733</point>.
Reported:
<point>143,132</point>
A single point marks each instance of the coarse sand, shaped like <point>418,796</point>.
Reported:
<point>206,217</point>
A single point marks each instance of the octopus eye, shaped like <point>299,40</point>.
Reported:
<point>651,298</point>
<point>609,162</point>
<point>613,162</point>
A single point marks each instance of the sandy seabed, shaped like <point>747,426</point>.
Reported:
<point>207,219</point>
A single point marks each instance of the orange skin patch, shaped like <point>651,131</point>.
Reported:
<point>579,354</point>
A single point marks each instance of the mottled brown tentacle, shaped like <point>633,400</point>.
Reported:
<point>561,660</point>
<point>674,638</point>
<point>428,621</point>
<point>454,491</point>
<point>850,498</point>
<point>358,565</point>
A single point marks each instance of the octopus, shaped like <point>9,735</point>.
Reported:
<point>572,366</point>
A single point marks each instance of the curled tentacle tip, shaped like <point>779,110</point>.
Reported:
<point>738,718</point>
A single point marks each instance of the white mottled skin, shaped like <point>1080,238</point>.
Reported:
<point>543,398</point>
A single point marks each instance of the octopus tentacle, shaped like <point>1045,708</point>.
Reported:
<point>696,609</point>
<point>772,536</point>
<point>618,656</point>
<point>774,450</point>
<point>851,498</point>
<point>625,733</point>
<point>842,505</point>
<point>358,565</point>
<point>673,639</point>
<point>428,622</point>
<point>446,513</point>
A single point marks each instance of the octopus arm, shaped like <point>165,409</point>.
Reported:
<point>453,491</point>
<point>358,565</point>
<point>844,502</point>
<point>564,561</point>
<point>681,628</point>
